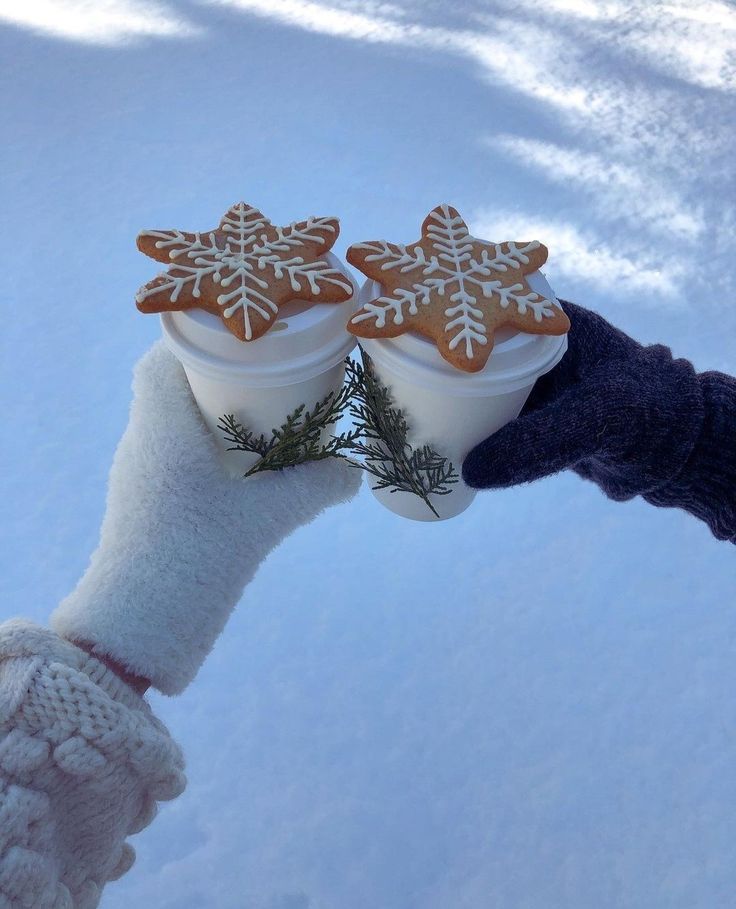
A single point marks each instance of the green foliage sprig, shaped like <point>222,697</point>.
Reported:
<point>382,433</point>
<point>380,437</point>
<point>298,439</point>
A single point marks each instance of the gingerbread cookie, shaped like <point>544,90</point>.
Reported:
<point>454,289</point>
<point>244,269</point>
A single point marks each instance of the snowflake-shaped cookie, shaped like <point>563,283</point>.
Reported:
<point>244,269</point>
<point>454,289</point>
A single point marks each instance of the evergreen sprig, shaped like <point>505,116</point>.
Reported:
<point>380,436</point>
<point>298,438</point>
<point>382,433</point>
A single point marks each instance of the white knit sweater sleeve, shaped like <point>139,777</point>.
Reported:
<point>83,761</point>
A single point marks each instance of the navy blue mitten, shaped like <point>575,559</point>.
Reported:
<point>628,417</point>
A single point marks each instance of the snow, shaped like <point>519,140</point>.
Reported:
<point>529,706</point>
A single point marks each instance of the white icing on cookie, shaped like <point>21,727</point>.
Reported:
<point>234,254</point>
<point>454,272</point>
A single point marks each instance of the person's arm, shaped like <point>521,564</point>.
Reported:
<point>632,419</point>
<point>136,682</point>
<point>181,538</point>
<point>179,542</point>
<point>83,765</point>
<point>706,485</point>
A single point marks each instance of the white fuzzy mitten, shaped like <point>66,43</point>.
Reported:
<point>181,538</point>
<point>83,762</point>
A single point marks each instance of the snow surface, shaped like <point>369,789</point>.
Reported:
<point>528,707</point>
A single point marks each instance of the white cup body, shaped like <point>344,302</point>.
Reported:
<point>260,409</point>
<point>453,410</point>
<point>300,360</point>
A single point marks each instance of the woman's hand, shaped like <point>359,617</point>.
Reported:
<point>621,414</point>
<point>181,538</point>
<point>630,418</point>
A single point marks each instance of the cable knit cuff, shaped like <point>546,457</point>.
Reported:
<point>22,638</point>
<point>706,485</point>
<point>83,761</point>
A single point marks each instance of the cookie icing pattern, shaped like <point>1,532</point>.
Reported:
<point>244,269</point>
<point>454,288</point>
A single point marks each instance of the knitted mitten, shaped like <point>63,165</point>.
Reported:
<point>82,763</point>
<point>631,419</point>
<point>181,538</point>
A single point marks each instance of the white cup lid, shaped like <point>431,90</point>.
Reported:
<point>307,338</point>
<point>517,356</point>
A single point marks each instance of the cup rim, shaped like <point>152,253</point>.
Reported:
<point>406,360</point>
<point>331,343</point>
<point>289,373</point>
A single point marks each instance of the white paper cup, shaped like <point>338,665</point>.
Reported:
<point>300,360</point>
<point>454,410</point>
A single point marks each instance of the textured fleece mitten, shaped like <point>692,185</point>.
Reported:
<point>181,538</point>
<point>83,761</point>
<point>630,418</point>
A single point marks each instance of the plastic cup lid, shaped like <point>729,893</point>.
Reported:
<point>516,359</point>
<point>307,338</point>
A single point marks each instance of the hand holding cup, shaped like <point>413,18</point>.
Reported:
<point>611,410</point>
